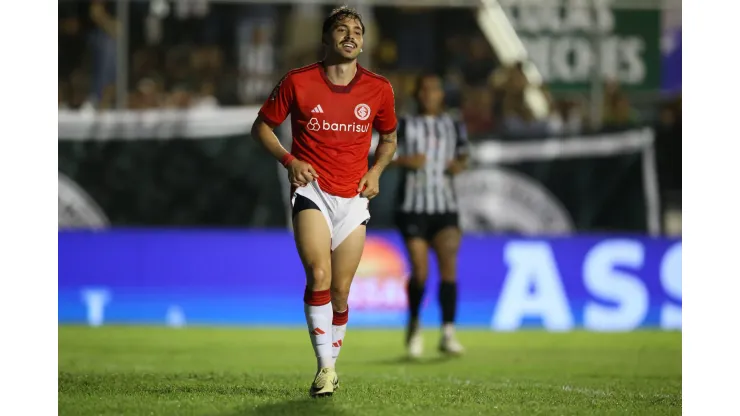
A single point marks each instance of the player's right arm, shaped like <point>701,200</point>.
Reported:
<point>273,112</point>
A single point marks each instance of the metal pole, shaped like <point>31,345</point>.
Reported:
<point>597,82</point>
<point>122,54</point>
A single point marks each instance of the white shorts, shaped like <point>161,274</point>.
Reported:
<point>342,215</point>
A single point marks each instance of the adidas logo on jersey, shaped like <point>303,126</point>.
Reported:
<point>317,109</point>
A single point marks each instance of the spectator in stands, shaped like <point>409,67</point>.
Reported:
<point>565,118</point>
<point>144,63</point>
<point>206,98</point>
<point>108,98</point>
<point>190,24</point>
<point>480,63</point>
<point>148,95</point>
<point>103,40</point>
<point>518,119</point>
<point>71,40</point>
<point>455,59</point>
<point>257,60</point>
<point>619,113</point>
<point>180,98</point>
<point>477,112</point>
<point>79,90</point>
<point>178,64</point>
<point>386,55</point>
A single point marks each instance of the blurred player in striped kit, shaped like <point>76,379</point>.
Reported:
<point>432,147</point>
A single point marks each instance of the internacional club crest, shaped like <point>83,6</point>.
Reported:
<point>362,112</point>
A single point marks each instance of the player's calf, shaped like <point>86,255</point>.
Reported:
<point>345,260</point>
<point>448,304</point>
<point>415,292</point>
<point>338,330</point>
<point>318,311</point>
<point>339,297</point>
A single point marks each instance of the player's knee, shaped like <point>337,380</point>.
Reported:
<point>448,277</point>
<point>319,277</point>
<point>420,274</point>
<point>447,270</point>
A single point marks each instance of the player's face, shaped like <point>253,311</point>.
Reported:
<point>346,38</point>
<point>431,94</point>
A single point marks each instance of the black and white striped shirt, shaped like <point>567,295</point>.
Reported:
<point>429,190</point>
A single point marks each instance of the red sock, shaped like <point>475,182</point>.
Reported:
<point>338,330</point>
<point>340,318</point>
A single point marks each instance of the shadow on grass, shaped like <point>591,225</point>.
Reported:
<point>406,360</point>
<point>320,406</point>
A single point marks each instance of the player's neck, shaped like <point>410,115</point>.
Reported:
<point>340,73</point>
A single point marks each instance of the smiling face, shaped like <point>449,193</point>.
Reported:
<point>343,34</point>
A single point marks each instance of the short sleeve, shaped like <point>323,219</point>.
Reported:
<point>385,120</point>
<point>277,106</point>
<point>462,144</point>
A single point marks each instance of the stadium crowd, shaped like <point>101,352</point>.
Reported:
<point>201,54</point>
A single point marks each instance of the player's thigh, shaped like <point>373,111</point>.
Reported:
<point>344,262</point>
<point>313,241</point>
<point>413,228</point>
<point>446,245</point>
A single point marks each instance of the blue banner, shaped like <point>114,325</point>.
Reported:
<point>247,277</point>
<point>671,60</point>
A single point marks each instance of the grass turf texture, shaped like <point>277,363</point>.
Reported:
<point>202,371</point>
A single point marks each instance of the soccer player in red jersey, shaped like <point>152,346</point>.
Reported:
<point>334,105</point>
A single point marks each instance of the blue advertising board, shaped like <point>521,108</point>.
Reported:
<point>671,60</point>
<point>248,277</point>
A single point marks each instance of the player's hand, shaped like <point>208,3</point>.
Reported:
<point>301,173</point>
<point>455,166</point>
<point>370,184</point>
<point>416,161</point>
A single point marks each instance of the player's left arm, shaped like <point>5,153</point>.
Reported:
<point>462,150</point>
<point>385,150</point>
<point>385,123</point>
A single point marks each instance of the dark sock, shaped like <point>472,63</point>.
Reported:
<point>415,292</point>
<point>448,301</point>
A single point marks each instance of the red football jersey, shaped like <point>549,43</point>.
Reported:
<point>331,124</point>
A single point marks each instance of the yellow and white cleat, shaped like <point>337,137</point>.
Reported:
<point>325,383</point>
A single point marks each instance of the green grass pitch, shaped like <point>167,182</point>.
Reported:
<point>204,371</point>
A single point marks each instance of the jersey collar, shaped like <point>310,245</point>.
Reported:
<point>342,89</point>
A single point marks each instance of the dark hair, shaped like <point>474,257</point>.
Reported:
<point>420,80</point>
<point>339,14</point>
<point>419,83</point>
